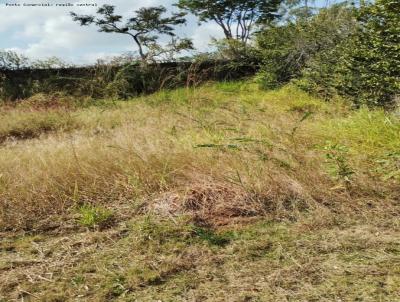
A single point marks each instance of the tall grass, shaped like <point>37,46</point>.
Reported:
<point>231,136</point>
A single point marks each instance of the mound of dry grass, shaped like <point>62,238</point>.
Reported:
<point>213,204</point>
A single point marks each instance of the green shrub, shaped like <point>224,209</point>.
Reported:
<point>287,49</point>
<point>370,65</point>
<point>353,52</point>
<point>365,66</point>
<point>319,76</point>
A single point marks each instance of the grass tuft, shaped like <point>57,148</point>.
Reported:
<point>94,216</point>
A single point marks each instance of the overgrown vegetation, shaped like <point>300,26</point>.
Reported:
<point>346,50</point>
<point>371,61</point>
<point>289,50</point>
<point>343,49</point>
<point>131,181</point>
<point>119,79</point>
<point>114,149</point>
<point>204,193</point>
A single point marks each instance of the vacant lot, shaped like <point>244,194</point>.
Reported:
<point>219,193</point>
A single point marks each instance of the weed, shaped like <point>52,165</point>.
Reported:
<point>117,287</point>
<point>305,116</point>
<point>389,166</point>
<point>94,216</point>
<point>337,159</point>
<point>78,280</point>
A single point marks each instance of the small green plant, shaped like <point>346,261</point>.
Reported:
<point>389,166</point>
<point>94,216</point>
<point>117,287</point>
<point>212,238</point>
<point>78,280</point>
<point>337,159</point>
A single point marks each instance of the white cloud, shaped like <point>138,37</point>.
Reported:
<point>202,35</point>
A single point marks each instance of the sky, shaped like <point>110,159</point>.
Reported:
<point>42,32</point>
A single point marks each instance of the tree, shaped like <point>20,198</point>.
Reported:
<point>144,28</point>
<point>237,18</point>
<point>298,9</point>
<point>12,60</point>
<point>288,49</point>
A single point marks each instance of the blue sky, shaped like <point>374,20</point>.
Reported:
<point>41,32</point>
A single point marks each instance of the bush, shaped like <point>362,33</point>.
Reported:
<point>370,64</point>
<point>288,49</point>
<point>342,50</point>
<point>134,79</point>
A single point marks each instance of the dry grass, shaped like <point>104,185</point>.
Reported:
<point>186,175</point>
<point>149,259</point>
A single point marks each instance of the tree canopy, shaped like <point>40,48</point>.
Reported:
<point>237,18</point>
<point>144,27</point>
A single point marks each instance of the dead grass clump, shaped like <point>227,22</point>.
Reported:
<point>218,204</point>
